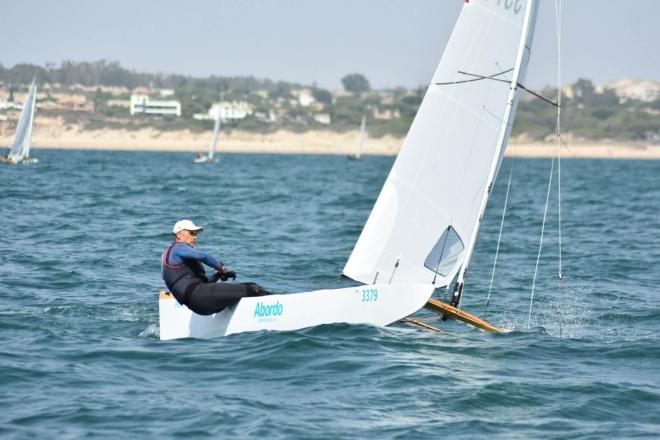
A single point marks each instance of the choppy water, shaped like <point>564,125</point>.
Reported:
<point>79,350</point>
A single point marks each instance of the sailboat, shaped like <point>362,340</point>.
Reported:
<point>357,154</point>
<point>202,158</point>
<point>422,230</point>
<point>19,152</point>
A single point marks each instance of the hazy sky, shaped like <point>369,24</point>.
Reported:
<point>392,42</point>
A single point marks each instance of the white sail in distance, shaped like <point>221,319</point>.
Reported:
<point>424,223</point>
<point>20,149</point>
<point>216,135</point>
<point>363,125</point>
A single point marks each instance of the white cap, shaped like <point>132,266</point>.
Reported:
<point>186,225</point>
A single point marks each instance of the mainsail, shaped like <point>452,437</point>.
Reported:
<point>20,149</point>
<point>425,221</point>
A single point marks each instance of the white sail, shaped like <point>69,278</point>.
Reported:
<point>203,158</point>
<point>358,152</point>
<point>216,135</point>
<point>423,225</point>
<point>20,149</point>
<point>361,141</point>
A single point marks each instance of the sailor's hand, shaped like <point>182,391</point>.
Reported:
<point>226,274</point>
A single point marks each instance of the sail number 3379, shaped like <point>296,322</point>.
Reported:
<point>369,295</point>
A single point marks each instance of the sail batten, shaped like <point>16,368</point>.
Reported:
<point>429,208</point>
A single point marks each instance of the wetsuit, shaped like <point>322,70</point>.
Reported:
<point>185,277</point>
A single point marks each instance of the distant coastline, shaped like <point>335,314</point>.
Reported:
<point>100,105</point>
<point>51,133</point>
<point>318,143</point>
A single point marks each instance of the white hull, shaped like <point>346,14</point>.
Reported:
<point>378,304</point>
<point>27,160</point>
<point>204,159</point>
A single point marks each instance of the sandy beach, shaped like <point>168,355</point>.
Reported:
<point>53,133</point>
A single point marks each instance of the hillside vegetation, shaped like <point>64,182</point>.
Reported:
<point>104,88</point>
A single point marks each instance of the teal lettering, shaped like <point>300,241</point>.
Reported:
<point>261,310</point>
<point>370,295</point>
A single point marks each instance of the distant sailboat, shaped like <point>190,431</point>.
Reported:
<point>19,151</point>
<point>202,158</point>
<point>358,153</point>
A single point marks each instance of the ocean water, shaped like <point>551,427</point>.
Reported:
<point>80,355</point>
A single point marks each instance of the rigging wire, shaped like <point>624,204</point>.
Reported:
<point>477,78</point>
<point>559,142</point>
<point>492,77</point>
<point>499,237</point>
<point>538,256</point>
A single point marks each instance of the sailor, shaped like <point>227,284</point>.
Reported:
<point>185,277</point>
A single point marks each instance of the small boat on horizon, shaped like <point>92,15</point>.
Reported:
<point>19,152</point>
<point>204,158</point>
<point>358,154</point>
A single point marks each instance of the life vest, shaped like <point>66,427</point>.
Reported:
<point>181,279</point>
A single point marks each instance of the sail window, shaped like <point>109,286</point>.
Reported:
<point>446,252</point>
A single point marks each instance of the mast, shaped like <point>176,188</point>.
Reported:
<point>522,58</point>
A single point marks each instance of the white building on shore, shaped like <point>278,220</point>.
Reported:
<point>228,111</point>
<point>323,118</point>
<point>143,104</point>
<point>305,97</point>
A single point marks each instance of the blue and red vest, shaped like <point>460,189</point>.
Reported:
<point>181,279</point>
